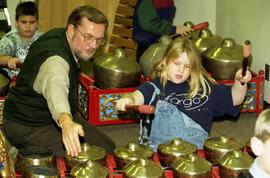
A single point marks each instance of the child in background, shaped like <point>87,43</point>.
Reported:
<point>260,145</point>
<point>15,44</point>
<point>185,96</point>
<point>151,20</point>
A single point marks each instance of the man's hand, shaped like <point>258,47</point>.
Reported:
<point>70,134</point>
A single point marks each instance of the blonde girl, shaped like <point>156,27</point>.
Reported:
<point>185,96</point>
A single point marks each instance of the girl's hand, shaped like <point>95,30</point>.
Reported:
<point>241,78</point>
<point>239,88</point>
<point>123,102</point>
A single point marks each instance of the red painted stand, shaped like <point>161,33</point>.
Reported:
<point>98,105</point>
<point>254,101</point>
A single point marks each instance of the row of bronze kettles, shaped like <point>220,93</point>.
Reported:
<point>220,57</point>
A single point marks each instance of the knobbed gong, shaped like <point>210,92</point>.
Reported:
<point>89,169</point>
<point>234,162</point>
<point>206,40</point>
<point>168,152</point>
<point>142,168</point>
<point>223,60</point>
<point>131,152</point>
<point>89,152</point>
<point>216,147</point>
<point>116,71</point>
<point>153,54</point>
<point>191,166</point>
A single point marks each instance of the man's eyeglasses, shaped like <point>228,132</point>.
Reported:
<point>88,38</point>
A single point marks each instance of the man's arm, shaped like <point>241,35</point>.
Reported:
<point>52,82</point>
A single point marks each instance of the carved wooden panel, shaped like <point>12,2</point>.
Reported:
<point>54,13</point>
<point>122,29</point>
<point>119,13</point>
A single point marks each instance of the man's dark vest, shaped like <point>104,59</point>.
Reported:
<point>23,104</point>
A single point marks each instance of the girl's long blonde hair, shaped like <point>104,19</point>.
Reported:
<point>198,79</point>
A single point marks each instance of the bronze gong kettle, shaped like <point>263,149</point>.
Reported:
<point>224,59</point>
<point>116,71</point>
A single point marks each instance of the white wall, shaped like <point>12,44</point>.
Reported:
<point>2,15</point>
<point>237,19</point>
<point>247,19</point>
<point>11,6</point>
<point>196,11</point>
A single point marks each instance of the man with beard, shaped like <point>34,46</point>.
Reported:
<point>41,109</point>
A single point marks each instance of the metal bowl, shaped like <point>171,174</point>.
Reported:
<point>34,155</point>
<point>4,85</point>
<point>40,172</point>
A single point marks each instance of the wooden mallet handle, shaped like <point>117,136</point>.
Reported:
<point>246,54</point>
<point>196,27</point>
<point>144,109</point>
<point>200,26</point>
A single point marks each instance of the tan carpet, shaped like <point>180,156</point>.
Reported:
<point>240,128</point>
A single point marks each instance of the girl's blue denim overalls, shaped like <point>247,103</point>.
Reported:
<point>170,123</point>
